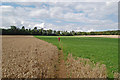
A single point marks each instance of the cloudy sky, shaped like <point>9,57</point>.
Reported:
<point>78,16</point>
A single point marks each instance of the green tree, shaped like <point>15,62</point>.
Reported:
<point>54,32</point>
<point>35,31</point>
<point>40,31</point>
<point>23,28</point>
<point>58,33</point>
<point>13,30</point>
<point>44,32</point>
<point>35,28</point>
<point>49,32</point>
<point>73,33</point>
<point>13,27</point>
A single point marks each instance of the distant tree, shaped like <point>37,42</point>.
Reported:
<point>23,28</point>
<point>13,27</point>
<point>35,28</point>
<point>27,32</point>
<point>17,31</point>
<point>49,32</point>
<point>12,30</point>
<point>73,33</point>
<point>70,34</point>
<point>44,32</point>
<point>40,31</point>
<point>35,31</point>
<point>58,33</point>
<point>92,33</point>
<point>54,32</point>
<point>65,33</point>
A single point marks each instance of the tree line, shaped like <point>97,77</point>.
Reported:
<point>22,31</point>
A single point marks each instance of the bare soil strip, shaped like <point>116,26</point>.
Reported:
<point>107,36</point>
<point>28,57</point>
<point>61,66</point>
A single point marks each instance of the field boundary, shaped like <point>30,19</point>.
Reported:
<point>105,36</point>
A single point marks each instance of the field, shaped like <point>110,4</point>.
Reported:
<point>97,49</point>
<point>28,57</point>
<point>77,57</point>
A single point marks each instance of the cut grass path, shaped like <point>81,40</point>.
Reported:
<point>103,50</point>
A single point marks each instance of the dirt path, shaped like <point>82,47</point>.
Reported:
<point>28,57</point>
<point>61,65</point>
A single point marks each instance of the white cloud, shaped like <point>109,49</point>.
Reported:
<point>39,26</point>
<point>90,30</point>
<point>93,15</point>
<point>59,0</point>
<point>40,13</point>
<point>56,12</point>
<point>6,8</point>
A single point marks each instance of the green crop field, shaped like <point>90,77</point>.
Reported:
<point>103,50</point>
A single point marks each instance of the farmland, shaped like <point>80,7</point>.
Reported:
<point>28,57</point>
<point>97,49</point>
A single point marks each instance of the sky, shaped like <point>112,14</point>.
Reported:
<point>65,16</point>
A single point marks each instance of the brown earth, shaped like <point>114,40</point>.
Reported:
<point>61,66</point>
<point>29,57</point>
<point>84,68</point>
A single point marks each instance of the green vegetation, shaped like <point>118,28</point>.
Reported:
<point>23,31</point>
<point>103,50</point>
